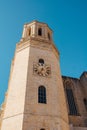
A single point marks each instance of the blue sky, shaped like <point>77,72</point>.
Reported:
<point>67,19</point>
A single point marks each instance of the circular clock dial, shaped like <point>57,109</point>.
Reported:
<point>43,70</point>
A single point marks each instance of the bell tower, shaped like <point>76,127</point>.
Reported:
<point>35,97</point>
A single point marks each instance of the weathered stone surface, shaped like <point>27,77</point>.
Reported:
<point>22,110</point>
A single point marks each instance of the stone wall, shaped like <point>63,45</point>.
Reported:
<point>79,87</point>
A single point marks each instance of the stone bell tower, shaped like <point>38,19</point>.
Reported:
<point>35,99</point>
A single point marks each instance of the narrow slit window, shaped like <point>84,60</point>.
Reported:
<point>29,31</point>
<point>48,36</point>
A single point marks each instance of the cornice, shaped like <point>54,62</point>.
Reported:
<point>37,43</point>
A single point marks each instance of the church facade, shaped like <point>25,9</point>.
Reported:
<point>38,96</point>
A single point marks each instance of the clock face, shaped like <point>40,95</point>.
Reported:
<point>42,69</point>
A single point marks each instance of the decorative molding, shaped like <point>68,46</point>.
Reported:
<point>37,43</point>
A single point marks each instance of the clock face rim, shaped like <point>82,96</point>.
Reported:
<point>42,69</point>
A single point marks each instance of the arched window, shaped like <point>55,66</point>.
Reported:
<point>41,61</point>
<point>42,94</point>
<point>42,129</point>
<point>40,31</point>
<point>85,103</point>
<point>71,101</point>
<point>48,36</point>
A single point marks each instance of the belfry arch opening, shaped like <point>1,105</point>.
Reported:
<point>40,31</point>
